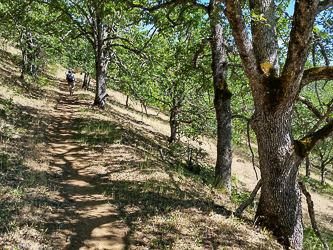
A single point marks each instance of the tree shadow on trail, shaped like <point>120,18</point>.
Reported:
<point>101,203</point>
<point>113,190</point>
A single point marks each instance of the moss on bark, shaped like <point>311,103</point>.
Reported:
<point>275,88</point>
<point>222,91</point>
<point>305,145</point>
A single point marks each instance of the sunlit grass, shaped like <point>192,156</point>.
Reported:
<point>98,132</point>
<point>311,241</point>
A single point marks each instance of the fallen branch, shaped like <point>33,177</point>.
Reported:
<point>164,158</point>
<point>242,207</point>
<point>312,214</point>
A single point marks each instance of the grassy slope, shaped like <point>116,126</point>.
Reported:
<point>160,206</point>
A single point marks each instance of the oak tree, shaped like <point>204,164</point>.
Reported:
<point>275,90</point>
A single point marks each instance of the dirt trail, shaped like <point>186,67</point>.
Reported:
<point>93,223</point>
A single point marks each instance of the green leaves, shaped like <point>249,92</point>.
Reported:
<point>259,18</point>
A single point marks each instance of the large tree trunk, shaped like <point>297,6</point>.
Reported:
<point>279,208</point>
<point>274,95</point>
<point>221,103</point>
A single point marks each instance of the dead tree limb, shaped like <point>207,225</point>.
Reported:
<point>248,120</point>
<point>312,214</point>
<point>242,207</point>
<point>164,158</point>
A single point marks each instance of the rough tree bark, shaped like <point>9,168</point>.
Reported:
<point>86,81</point>
<point>274,95</point>
<point>101,61</point>
<point>127,101</point>
<point>221,100</point>
<point>174,114</point>
<point>307,166</point>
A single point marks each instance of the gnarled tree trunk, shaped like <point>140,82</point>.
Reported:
<point>279,206</point>
<point>274,95</point>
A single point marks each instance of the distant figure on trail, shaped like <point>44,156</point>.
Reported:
<point>71,81</point>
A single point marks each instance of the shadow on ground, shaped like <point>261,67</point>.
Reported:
<point>106,186</point>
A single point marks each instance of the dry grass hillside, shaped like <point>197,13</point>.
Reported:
<point>75,177</point>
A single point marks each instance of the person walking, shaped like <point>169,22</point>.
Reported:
<point>71,81</point>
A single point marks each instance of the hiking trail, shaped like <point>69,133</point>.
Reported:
<point>92,221</point>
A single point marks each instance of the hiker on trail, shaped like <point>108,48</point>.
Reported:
<point>71,81</point>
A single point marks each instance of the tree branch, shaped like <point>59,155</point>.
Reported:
<point>78,35</point>
<point>63,38</point>
<point>240,117</point>
<point>235,65</point>
<point>155,7</point>
<point>322,49</point>
<point>148,41</point>
<point>124,68</point>
<point>324,5</point>
<point>316,74</point>
<point>199,51</point>
<point>130,86</point>
<point>300,41</point>
<point>84,13</point>
<point>234,14</point>
<point>78,25</point>
<point>168,15</point>
<point>124,46</point>
<point>163,5</point>
<point>307,143</point>
<point>242,207</point>
<point>200,6</point>
<point>157,99</point>
<point>164,158</point>
<point>309,201</point>
<point>248,120</point>
<point>322,119</point>
<point>310,106</point>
